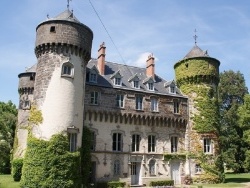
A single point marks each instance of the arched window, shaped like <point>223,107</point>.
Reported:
<point>152,167</point>
<point>67,69</point>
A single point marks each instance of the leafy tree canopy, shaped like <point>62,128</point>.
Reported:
<point>8,120</point>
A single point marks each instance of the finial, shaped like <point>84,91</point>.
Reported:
<point>68,4</point>
<point>195,37</point>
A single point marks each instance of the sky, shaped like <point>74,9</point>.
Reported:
<point>136,28</point>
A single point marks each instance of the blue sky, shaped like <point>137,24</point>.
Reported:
<point>138,27</point>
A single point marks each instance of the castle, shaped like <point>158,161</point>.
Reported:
<point>142,126</point>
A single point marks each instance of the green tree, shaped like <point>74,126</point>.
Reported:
<point>244,122</point>
<point>8,120</point>
<point>232,90</point>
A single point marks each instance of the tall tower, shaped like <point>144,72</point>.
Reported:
<point>63,49</point>
<point>25,90</point>
<point>197,76</point>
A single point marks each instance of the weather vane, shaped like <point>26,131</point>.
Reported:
<point>195,37</point>
<point>68,3</point>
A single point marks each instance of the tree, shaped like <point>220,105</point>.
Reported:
<point>8,120</point>
<point>244,122</point>
<point>232,90</point>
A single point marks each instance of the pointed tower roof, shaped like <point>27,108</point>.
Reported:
<point>67,15</point>
<point>196,52</point>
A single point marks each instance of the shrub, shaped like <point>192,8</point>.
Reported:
<point>162,183</point>
<point>49,164</point>
<point>207,178</point>
<point>101,184</point>
<point>17,165</point>
<point>188,180</point>
<point>116,184</point>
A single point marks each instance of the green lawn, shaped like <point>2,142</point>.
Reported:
<point>6,181</point>
<point>232,180</point>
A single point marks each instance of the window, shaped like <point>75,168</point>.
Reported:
<point>120,100</point>
<point>52,29</point>
<point>176,107</point>
<point>117,167</point>
<point>154,105</point>
<point>117,142</point>
<point>198,169</point>
<point>152,167</point>
<point>26,104</point>
<point>94,98</point>
<point>138,103</point>
<point>67,69</point>
<point>174,144</point>
<point>136,84</point>
<point>151,86</point>
<point>151,143</point>
<point>72,142</point>
<point>92,77</point>
<point>172,89</point>
<point>207,145</point>
<point>136,142</point>
<point>118,81</point>
<point>93,141</point>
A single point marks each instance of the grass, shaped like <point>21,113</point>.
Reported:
<point>6,181</point>
<point>232,180</point>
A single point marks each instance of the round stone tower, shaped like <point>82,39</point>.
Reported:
<point>197,76</point>
<point>63,49</point>
<point>25,90</point>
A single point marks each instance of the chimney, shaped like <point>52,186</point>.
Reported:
<point>150,69</point>
<point>101,59</point>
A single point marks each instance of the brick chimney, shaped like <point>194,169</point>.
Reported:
<point>150,69</point>
<point>101,59</point>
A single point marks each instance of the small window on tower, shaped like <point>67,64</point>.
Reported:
<point>67,70</point>
<point>52,29</point>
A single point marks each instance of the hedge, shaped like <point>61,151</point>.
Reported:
<point>17,165</point>
<point>162,183</point>
<point>116,184</point>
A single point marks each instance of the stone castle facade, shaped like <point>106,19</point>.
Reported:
<point>140,123</point>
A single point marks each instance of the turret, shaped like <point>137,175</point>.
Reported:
<point>63,49</point>
<point>197,76</point>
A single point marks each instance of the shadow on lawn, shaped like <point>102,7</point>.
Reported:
<point>237,180</point>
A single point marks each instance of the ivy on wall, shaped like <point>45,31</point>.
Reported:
<point>198,77</point>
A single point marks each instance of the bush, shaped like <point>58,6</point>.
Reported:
<point>162,183</point>
<point>207,178</point>
<point>49,164</point>
<point>116,184</point>
<point>17,165</point>
<point>101,184</point>
<point>188,180</point>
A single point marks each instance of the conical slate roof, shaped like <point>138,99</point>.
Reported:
<point>196,52</point>
<point>67,15</point>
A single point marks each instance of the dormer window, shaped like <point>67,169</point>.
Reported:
<point>136,84</point>
<point>118,81</point>
<point>151,86</point>
<point>134,81</point>
<point>117,78</point>
<point>172,89</point>
<point>93,77</point>
<point>67,69</point>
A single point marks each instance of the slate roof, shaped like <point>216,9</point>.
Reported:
<point>127,72</point>
<point>196,52</point>
<point>67,15</point>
